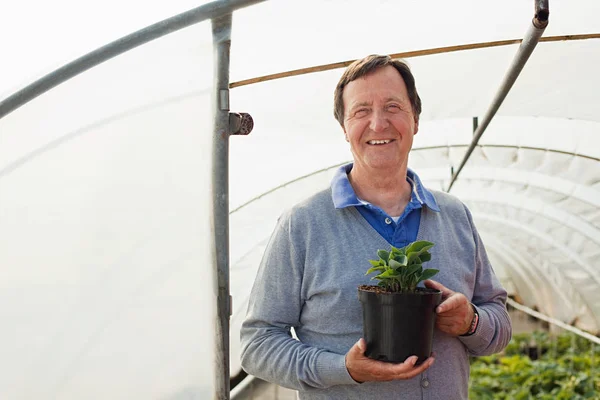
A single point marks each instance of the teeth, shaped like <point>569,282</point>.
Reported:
<point>379,141</point>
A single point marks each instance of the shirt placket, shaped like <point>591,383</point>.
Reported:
<point>389,226</point>
<point>399,235</point>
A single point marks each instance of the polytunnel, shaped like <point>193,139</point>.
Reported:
<point>113,168</point>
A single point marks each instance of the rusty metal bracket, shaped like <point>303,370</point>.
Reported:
<point>240,123</point>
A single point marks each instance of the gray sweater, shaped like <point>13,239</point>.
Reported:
<point>308,279</point>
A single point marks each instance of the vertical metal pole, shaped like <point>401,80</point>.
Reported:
<point>572,353</point>
<point>592,366</point>
<point>221,30</point>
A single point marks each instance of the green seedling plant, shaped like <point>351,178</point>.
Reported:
<point>401,270</point>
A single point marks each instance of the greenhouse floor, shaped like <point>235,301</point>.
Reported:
<point>261,390</point>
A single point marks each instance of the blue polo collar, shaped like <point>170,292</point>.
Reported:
<point>343,193</point>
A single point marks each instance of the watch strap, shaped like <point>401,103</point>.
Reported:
<point>474,322</point>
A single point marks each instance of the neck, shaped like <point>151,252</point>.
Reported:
<point>390,192</point>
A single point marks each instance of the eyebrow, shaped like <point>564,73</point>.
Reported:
<point>360,104</point>
<point>368,103</point>
<point>395,98</point>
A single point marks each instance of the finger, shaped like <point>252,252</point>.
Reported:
<point>449,304</point>
<point>410,361</point>
<point>431,284</point>
<point>414,371</point>
<point>453,303</point>
<point>408,364</point>
<point>390,371</point>
<point>425,365</point>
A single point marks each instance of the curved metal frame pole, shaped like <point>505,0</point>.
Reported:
<point>532,37</point>
<point>221,31</point>
<point>553,321</point>
<point>119,46</point>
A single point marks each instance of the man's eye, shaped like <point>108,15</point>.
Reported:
<point>361,112</point>
<point>394,107</point>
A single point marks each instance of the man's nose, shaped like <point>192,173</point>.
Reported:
<point>379,121</point>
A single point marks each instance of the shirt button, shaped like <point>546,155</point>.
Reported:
<point>388,221</point>
<point>425,383</point>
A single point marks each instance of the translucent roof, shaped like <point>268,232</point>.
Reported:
<point>106,275</point>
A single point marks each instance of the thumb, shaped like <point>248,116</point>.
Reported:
<point>431,284</point>
<point>359,347</point>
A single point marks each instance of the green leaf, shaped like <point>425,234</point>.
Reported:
<point>375,263</point>
<point>378,268</point>
<point>419,246</point>
<point>426,256</point>
<point>414,259</point>
<point>384,255</point>
<point>413,268</point>
<point>396,252</point>
<point>390,273</point>
<point>402,259</point>
<point>414,252</point>
<point>395,264</point>
<point>428,273</point>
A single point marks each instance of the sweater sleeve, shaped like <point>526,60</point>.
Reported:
<point>268,349</point>
<point>494,330</point>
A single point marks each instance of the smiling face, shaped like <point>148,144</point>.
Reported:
<point>379,122</point>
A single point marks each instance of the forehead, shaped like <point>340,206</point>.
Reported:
<point>383,83</point>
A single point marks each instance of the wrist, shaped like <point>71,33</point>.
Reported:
<point>474,322</point>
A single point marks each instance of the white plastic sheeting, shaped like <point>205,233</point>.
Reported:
<point>105,275</point>
<point>105,259</point>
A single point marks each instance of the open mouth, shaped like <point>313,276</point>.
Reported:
<point>379,142</point>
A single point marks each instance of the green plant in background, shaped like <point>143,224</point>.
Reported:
<point>565,370</point>
<point>401,270</point>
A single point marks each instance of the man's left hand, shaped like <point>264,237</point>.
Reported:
<point>455,313</point>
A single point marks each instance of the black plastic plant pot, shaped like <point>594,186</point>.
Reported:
<point>399,325</point>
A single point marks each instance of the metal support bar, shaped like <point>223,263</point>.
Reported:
<point>592,368</point>
<point>221,31</point>
<point>532,37</point>
<point>560,324</point>
<point>225,124</point>
<point>113,49</point>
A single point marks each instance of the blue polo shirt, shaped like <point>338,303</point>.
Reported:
<point>397,231</point>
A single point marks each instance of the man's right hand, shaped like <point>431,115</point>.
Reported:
<point>364,369</point>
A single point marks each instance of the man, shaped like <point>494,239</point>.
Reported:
<point>317,257</point>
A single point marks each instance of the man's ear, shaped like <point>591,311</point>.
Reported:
<point>416,126</point>
<point>345,134</point>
